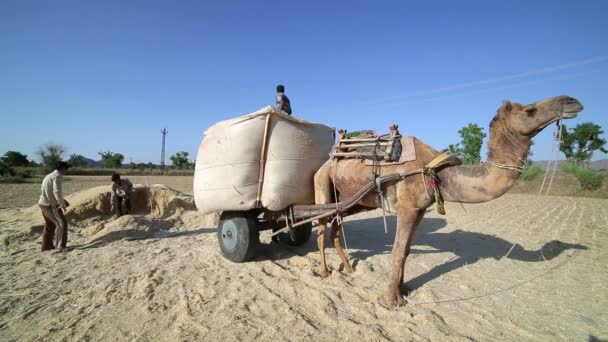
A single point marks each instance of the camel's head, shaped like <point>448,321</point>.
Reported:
<point>529,120</point>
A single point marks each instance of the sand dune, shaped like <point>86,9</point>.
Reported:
<point>162,277</point>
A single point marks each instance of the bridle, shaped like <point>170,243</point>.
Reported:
<point>513,142</point>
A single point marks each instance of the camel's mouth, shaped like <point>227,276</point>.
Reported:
<point>570,107</point>
<point>570,115</point>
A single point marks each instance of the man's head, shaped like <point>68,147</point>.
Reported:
<point>62,167</point>
<point>115,177</point>
<point>280,88</point>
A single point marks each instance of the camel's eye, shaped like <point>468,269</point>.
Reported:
<point>531,111</point>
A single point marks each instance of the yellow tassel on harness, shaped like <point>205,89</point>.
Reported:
<point>430,171</point>
<point>437,161</point>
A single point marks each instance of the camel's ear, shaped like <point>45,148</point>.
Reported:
<point>506,104</point>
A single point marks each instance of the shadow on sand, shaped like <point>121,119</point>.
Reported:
<point>135,234</point>
<point>468,247</point>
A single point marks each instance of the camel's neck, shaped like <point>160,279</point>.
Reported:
<point>475,184</point>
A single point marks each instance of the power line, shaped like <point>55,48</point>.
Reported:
<point>162,152</point>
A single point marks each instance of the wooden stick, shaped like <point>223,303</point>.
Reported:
<point>262,162</point>
<point>300,210</point>
<point>345,144</point>
<point>361,154</point>
<point>300,223</point>
<point>362,140</point>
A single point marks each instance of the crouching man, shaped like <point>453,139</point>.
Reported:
<point>121,192</point>
<point>52,204</point>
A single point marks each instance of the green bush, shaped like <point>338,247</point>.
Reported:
<point>588,178</point>
<point>531,172</point>
<point>570,167</point>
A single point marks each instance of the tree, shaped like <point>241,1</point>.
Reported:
<point>580,144</point>
<point>530,154</point>
<point>180,160</point>
<point>5,169</point>
<point>13,158</point>
<point>76,160</point>
<point>51,154</point>
<point>111,159</point>
<point>469,148</point>
<point>358,133</point>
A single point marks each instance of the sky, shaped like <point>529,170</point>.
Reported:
<point>109,75</point>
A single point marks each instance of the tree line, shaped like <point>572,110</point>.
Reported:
<point>578,145</point>
<point>52,153</point>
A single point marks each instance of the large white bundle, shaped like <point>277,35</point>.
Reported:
<point>228,162</point>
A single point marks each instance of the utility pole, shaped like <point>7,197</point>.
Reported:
<point>162,152</point>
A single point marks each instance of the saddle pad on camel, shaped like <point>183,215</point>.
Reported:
<point>408,153</point>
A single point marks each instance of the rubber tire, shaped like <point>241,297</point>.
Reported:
<point>301,234</point>
<point>244,231</point>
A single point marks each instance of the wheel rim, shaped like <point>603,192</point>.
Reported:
<point>229,235</point>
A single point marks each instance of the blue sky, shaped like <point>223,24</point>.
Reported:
<point>109,75</point>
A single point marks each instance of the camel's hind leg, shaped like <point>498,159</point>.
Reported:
<point>321,244</point>
<point>322,196</point>
<point>335,236</point>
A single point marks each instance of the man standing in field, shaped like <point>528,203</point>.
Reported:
<point>52,204</point>
<point>283,103</point>
<point>121,190</point>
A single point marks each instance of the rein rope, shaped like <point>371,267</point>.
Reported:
<point>338,218</point>
<point>554,153</point>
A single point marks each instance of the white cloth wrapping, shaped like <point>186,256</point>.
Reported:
<point>228,162</point>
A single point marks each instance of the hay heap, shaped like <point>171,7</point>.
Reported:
<point>159,201</point>
<point>153,209</point>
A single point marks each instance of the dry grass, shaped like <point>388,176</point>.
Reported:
<point>26,194</point>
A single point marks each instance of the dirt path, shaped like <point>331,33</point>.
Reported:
<point>173,284</point>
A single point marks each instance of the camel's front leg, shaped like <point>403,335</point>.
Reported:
<point>407,220</point>
<point>335,236</point>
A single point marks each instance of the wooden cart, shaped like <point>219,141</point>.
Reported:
<point>238,231</point>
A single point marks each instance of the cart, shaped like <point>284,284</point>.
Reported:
<point>246,192</point>
<point>238,231</point>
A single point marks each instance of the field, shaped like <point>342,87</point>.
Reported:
<point>520,268</point>
<point>26,194</point>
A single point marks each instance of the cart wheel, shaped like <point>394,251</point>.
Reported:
<point>301,235</point>
<point>238,237</point>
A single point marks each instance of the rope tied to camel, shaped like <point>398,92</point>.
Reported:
<point>519,169</point>
<point>554,151</point>
<point>376,180</point>
<point>337,218</point>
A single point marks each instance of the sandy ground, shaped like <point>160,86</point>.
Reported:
<point>140,278</point>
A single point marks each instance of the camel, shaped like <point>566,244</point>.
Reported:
<point>511,131</point>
